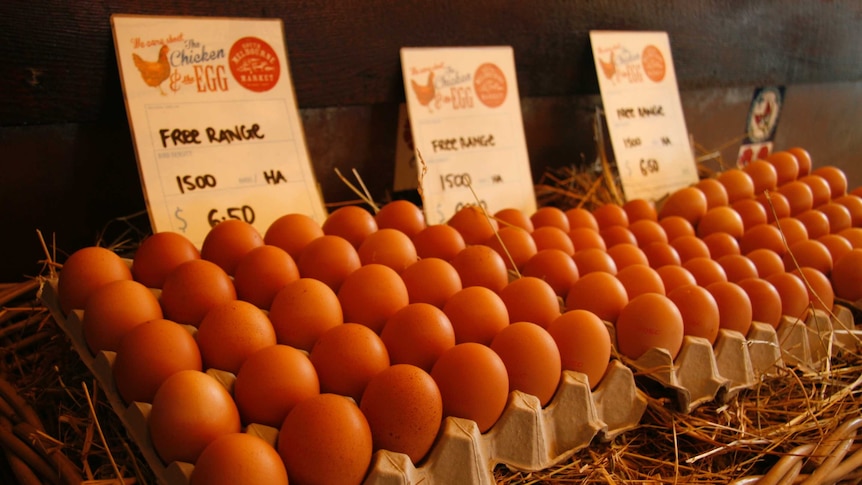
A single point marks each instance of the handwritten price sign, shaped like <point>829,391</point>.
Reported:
<point>643,111</point>
<point>215,123</point>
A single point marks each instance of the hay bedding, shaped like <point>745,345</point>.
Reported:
<point>55,427</point>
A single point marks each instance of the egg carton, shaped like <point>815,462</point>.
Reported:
<point>526,437</point>
<point>703,373</point>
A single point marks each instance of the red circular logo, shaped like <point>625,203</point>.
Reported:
<point>254,64</point>
<point>653,62</point>
<point>490,85</point>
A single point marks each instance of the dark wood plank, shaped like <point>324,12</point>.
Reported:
<point>58,58</point>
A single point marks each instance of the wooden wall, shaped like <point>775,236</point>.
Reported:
<point>67,166</point>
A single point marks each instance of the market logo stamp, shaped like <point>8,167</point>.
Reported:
<point>254,64</point>
<point>489,82</point>
<point>653,63</point>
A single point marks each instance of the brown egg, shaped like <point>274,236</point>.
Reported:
<point>674,276</point>
<point>158,255</point>
<point>739,184</point>
<point>586,238</point>
<point>532,359</point>
<point>853,203</point>
<point>326,439</point>
<point>584,344</point>
<point>786,166</point>
<point>515,245</point>
<point>530,299</point>
<point>473,383</point>
<point>792,229</point>
<point>608,215</point>
<point>150,353</point>
<point>477,314</point>
<point>676,226</point>
<point>402,215</point>
<point>853,236</point>
<point>389,247</point>
<point>836,178</point>
<point>721,244</point>
<point>328,259</point>
<point>230,332</point>
<point>809,252</point>
<point>799,196</point>
<point>228,241</point>
<point>479,265</point>
<point>720,219</point>
<point>821,193</point>
<point>347,357</point>
<point>649,320</point>
<point>431,280</point>
<point>659,254</point>
<point>626,255</point>
<point>705,270</point>
<point>84,271</point>
<point>715,192</point>
<point>794,295</point>
<point>404,410</point>
<point>639,279</point>
<point>776,205</point>
<point>763,236</point>
<point>372,294</point>
<point>613,235</point>
<point>763,174</point>
<point>847,276</point>
<point>192,289</point>
<point>261,273</point>
<point>113,309</point>
<point>816,223</point>
<point>737,267</point>
<point>351,222</point>
<point>837,245</point>
<point>514,217</point>
<point>271,381</point>
<point>689,203</point>
<point>768,262</point>
<point>591,260</point>
<point>580,217</point>
<point>473,225</point>
<point>238,458</point>
<point>417,334</point>
<point>292,232</point>
<point>599,292</point>
<point>765,300</point>
<point>555,267</point>
<point>438,241</point>
<point>839,217</point>
<point>190,410</point>
<point>818,286</point>
<point>302,311</point>
<point>689,247</point>
<point>640,209</point>
<point>699,310</point>
<point>803,158</point>
<point>647,231</point>
<point>550,216</point>
<point>752,212</point>
<point>734,306</point>
<point>550,237</point>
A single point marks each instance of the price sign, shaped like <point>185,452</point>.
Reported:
<point>468,134</point>
<point>644,113</point>
<point>214,122</point>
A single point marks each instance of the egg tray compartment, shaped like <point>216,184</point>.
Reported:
<point>527,436</point>
<point>702,372</point>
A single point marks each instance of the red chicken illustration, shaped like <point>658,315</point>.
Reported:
<point>154,73</point>
<point>424,93</point>
<point>609,67</point>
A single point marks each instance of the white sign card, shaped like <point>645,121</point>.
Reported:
<point>214,122</point>
<point>643,112</point>
<point>465,114</point>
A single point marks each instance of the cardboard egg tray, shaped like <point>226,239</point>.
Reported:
<point>703,373</point>
<point>527,436</point>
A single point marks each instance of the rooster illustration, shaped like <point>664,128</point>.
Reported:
<point>424,93</point>
<point>609,67</point>
<point>154,73</point>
